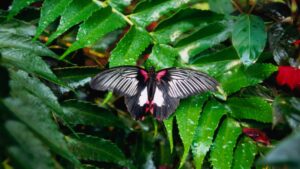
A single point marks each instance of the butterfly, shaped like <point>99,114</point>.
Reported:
<point>157,93</point>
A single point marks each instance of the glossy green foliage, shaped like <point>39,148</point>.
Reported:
<point>129,48</point>
<point>52,103</point>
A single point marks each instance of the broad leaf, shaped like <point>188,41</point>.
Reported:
<point>222,151</point>
<point>77,11</point>
<point>184,24</point>
<point>78,112</point>
<point>168,123</point>
<point>221,6</point>
<point>249,38</point>
<point>253,108</point>
<point>29,62</point>
<point>164,9</point>
<point>286,154</point>
<point>162,56</point>
<point>37,116</point>
<point>187,116</point>
<point>31,148</point>
<point>204,134</point>
<point>203,39</point>
<point>9,40</point>
<point>95,27</point>
<point>244,154</point>
<point>240,76</point>
<point>17,6</point>
<point>97,149</point>
<point>51,10</point>
<point>130,47</point>
<point>18,27</point>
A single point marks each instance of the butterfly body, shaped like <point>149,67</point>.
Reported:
<point>150,92</point>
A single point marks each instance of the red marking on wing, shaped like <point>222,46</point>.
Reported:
<point>257,135</point>
<point>144,74</point>
<point>161,74</point>
<point>296,42</point>
<point>289,76</point>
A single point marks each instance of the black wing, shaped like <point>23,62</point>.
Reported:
<point>121,80</point>
<point>182,83</point>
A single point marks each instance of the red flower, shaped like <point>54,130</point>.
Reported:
<point>257,135</point>
<point>296,42</point>
<point>289,76</point>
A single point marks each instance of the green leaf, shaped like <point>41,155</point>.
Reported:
<point>253,108</point>
<point>78,112</point>
<point>162,56</point>
<point>183,24</point>
<point>240,76</point>
<point>221,6</point>
<point>203,39</point>
<point>21,81</point>
<point>37,117</point>
<point>18,27</point>
<point>75,73</point>
<point>9,40</point>
<point>168,123</point>
<point>96,27</point>
<point>187,116</point>
<point>222,151</point>
<point>205,130</point>
<point>244,154</point>
<point>51,10</point>
<point>76,12</point>
<point>29,62</point>
<point>165,9</point>
<point>97,149</point>
<point>217,63</point>
<point>17,6</point>
<point>249,38</point>
<point>129,48</point>
<point>120,5</point>
<point>286,154</point>
<point>31,148</point>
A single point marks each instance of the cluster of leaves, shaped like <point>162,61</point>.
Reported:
<point>50,116</point>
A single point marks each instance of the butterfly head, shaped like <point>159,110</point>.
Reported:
<point>152,70</point>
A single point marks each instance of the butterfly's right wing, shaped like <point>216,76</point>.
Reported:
<point>121,80</point>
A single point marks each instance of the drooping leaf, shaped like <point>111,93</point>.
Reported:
<point>130,47</point>
<point>17,6</point>
<point>249,38</point>
<point>244,154</point>
<point>51,10</point>
<point>22,81</point>
<point>203,39</point>
<point>37,117</point>
<point>187,116</point>
<point>286,154</point>
<point>222,151</point>
<point>9,40</point>
<point>97,149</point>
<point>31,148</point>
<point>253,108</point>
<point>162,56</point>
<point>221,6</point>
<point>29,62</point>
<point>95,27</point>
<point>240,76</point>
<point>77,112</point>
<point>76,12</point>
<point>204,134</point>
<point>154,13</point>
<point>183,24</point>
<point>168,123</point>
